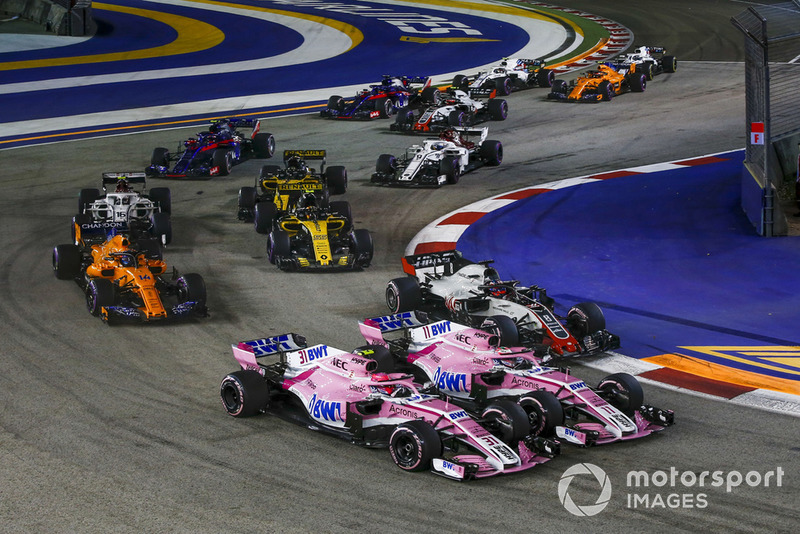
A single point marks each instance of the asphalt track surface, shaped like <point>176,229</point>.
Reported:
<point>121,429</point>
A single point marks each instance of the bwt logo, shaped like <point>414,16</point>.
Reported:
<point>393,322</point>
<point>450,381</point>
<point>577,385</point>
<point>589,509</point>
<point>314,353</point>
<point>322,409</point>
<point>270,345</point>
<point>437,329</point>
<point>457,415</point>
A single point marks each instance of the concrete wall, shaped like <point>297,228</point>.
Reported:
<point>54,15</point>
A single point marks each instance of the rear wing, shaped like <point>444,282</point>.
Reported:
<point>130,177</point>
<point>305,154</point>
<point>482,93</point>
<point>415,327</point>
<point>247,352</point>
<point>447,260</point>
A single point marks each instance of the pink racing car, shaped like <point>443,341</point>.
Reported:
<point>470,367</point>
<point>347,395</point>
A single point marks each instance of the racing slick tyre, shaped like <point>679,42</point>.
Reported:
<point>151,248</point>
<point>336,178</point>
<point>403,294</point>
<point>637,81</point>
<point>192,288</point>
<point>161,196</point>
<point>160,157</point>
<point>99,293</point>
<point>386,164</point>
<point>456,118</point>
<point>404,120</point>
<point>498,109</point>
<point>414,444</point>
<point>161,227</point>
<point>507,420</point>
<point>560,87</point>
<point>669,64</point>
<point>222,159</point>
<point>264,145</point>
<point>268,171</point>
<point>545,78</point>
<point>584,319</point>
<point>623,392</point>
<point>66,261</point>
<point>342,209</point>
<point>605,90</point>
<point>247,198</point>
<point>544,412</point>
<point>646,69</point>
<point>86,197</point>
<point>362,247</point>
<point>336,103</point>
<point>264,214</point>
<point>431,95</point>
<point>244,393</point>
<point>451,168</point>
<point>384,107</point>
<point>460,82</point>
<point>279,246</point>
<point>504,86</point>
<point>504,327</point>
<point>380,355</point>
<point>492,152</point>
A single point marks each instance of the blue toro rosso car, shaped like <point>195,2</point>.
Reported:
<point>213,152</point>
<point>383,100</point>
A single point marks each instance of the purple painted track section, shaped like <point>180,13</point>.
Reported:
<point>669,256</point>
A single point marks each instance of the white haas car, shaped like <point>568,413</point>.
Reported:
<point>455,108</point>
<point>651,60</point>
<point>512,74</point>
<point>348,395</point>
<point>472,368</point>
<point>441,160</point>
<point>448,286</point>
<point>123,207</point>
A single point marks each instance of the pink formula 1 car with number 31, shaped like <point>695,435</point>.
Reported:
<point>474,371</point>
<point>348,395</point>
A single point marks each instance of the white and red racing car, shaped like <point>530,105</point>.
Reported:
<point>440,160</point>
<point>347,394</point>
<point>472,369</point>
<point>455,108</point>
<point>651,60</point>
<point>448,286</point>
<point>512,74</point>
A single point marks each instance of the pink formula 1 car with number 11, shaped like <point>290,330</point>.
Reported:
<point>474,371</point>
<point>348,395</point>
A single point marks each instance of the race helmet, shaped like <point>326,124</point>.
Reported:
<point>307,200</point>
<point>496,289</point>
<point>296,166</point>
<point>448,135</point>
<point>122,186</point>
<point>387,389</point>
<point>190,143</point>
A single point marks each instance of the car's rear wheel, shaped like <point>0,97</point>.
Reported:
<point>403,294</point>
<point>669,63</point>
<point>99,294</point>
<point>244,393</point>
<point>460,82</point>
<point>456,118</point>
<point>544,412</point>
<point>161,227</point>
<point>504,86</point>
<point>264,145</point>
<point>622,391</point>
<point>264,214</point>
<point>86,197</point>
<point>247,197</point>
<point>268,171</point>
<point>638,82</point>
<point>414,444</point>
<point>545,78</point>
<point>431,95</point>
<point>161,196</point>
<point>404,119</point>
<point>66,261</point>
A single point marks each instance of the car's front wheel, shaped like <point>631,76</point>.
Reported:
<point>506,420</point>
<point>414,444</point>
<point>403,294</point>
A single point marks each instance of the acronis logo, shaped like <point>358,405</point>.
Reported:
<point>322,409</point>
<point>450,381</point>
<point>394,322</point>
<point>270,345</point>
